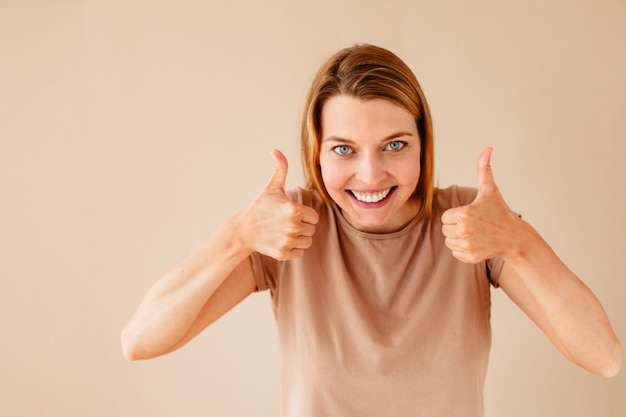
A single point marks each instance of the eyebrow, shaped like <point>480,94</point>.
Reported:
<point>346,140</point>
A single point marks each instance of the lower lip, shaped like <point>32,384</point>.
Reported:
<point>372,205</point>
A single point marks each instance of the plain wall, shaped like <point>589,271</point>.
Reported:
<point>131,129</point>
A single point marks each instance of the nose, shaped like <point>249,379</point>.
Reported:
<point>371,169</point>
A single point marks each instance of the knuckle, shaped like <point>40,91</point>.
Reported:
<point>314,216</point>
<point>473,259</point>
<point>291,229</point>
<point>282,254</point>
<point>295,210</point>
<point>464,213</point>
<point>467,245</point>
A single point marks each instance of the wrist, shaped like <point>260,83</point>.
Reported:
<point>234,236</point>
<point>525,240</point>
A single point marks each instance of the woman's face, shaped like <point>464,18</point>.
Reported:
<point>370,162</point>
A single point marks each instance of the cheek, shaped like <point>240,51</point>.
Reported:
<point>332,175</point>
<point>408,174</point>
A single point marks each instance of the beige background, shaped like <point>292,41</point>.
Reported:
<point>129,129</point>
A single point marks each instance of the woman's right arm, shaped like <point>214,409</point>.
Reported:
<point>218,275</point>
<point>190,296</point>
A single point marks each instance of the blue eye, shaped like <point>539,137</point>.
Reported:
<point>342,150</point>
<point>395,146</point>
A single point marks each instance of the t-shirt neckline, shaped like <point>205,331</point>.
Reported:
<point>345,225</point>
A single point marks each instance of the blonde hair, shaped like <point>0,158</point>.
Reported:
<point>367,72</point>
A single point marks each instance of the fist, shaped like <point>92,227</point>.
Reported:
<point>276,226</point>
<point>484,228</point>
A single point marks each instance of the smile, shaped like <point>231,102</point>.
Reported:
<point>371,197</point>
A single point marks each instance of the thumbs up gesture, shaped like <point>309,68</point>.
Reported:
<point>484,228</point>
<point>274,225</point>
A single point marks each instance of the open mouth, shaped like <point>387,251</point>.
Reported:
<point>372,197</point>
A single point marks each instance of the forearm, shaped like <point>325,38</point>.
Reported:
<point>171,306</point>
<point>214,278</point>
<point>561,304</point>
<point>533,276</point>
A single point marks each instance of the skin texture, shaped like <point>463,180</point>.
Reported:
<point>533,276</point>
<point>369,146</point>
<point>378,150</point>
<point>217,275</point>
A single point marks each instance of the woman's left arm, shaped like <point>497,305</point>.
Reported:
<point>533,276</point>
<point>561,305</point>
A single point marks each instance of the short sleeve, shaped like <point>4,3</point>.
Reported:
<point>265,271</point>
<point>494,268</point>
<point>258,272</point>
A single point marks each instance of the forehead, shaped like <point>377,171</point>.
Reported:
<point>348,117</point>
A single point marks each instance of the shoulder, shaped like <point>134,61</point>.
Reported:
<point>454,196</point>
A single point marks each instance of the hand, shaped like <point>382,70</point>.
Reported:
<point>275,226</point>
<point>484,229</point>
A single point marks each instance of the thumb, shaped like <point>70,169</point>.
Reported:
<point>276,184</point>
<point>486,182</point>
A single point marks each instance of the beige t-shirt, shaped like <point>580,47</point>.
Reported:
<point>380,325</point>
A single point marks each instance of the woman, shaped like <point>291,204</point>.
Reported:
<point>380,283</point>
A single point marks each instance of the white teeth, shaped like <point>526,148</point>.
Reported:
<point>371,197</point>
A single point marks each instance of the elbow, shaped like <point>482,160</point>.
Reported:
<point>131,346</point>
<point>613,370</point>
<point>614,362</point>
<point>138,346</point>
<point>130,353</point>
<point>607,365</point>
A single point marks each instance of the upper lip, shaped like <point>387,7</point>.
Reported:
<point>370,191</point>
